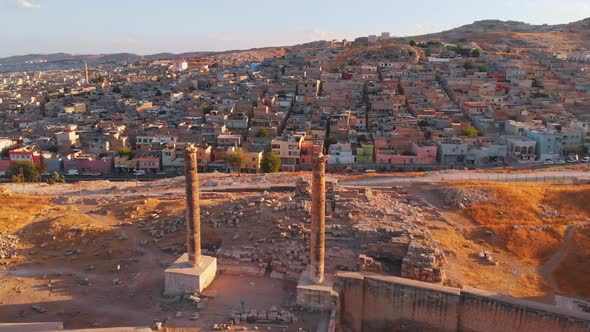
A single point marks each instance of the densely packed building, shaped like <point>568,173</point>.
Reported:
<point>376,103</point>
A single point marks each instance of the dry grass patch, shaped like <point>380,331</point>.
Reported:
<point>536,244</point>
<point>572,274</point>
<point>570,200</point>
<point>528,218</point>
<point>531,285</point>
<point>16,211</point>
<point>513,204</point>
<point>66,227</point>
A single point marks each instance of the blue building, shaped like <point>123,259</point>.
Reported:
<point>548,143</point>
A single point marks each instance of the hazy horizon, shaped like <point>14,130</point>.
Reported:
<point>178,26</point>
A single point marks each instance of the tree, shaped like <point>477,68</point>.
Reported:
<point>24,171</point>
<point>413,43</point>
<point>56,178</point>
<point>270,163</point>
<point>237,159</point>
<point>5,152</point>
<point>124,151</point>
<point>469,65</point>
<point>474,65</point>
<point>470,131</point>
<point>262,132</point>
<point>207,108</point>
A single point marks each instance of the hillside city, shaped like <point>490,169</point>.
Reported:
<point>377,103</point>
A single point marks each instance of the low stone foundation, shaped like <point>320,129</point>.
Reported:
<point>180,277</point>
<point>319,297</point>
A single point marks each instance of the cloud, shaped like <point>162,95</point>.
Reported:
<point>24,4</point>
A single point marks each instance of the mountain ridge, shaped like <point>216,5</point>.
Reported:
<point>482,28</point>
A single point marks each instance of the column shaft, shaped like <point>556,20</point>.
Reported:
<point>318,218</point>
<point>193,216</point>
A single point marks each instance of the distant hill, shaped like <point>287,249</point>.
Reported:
<point>561,37</point>
<point>487,33</point>
<point>63,61</point>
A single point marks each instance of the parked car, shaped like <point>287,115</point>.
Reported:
<point>139,172</point>
<point>572,160</point>
<point>370,171</point>
<point>72,172</point>
<point>548,162</point>
<point>560,162</point>
<point>586,160</point>
<point>3,173</point>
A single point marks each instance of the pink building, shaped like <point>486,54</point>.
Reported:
<point>24,154</point>
<point>149,163</point>
<point>422,154</point>
<point>87,163</point>
<point>425,153</point>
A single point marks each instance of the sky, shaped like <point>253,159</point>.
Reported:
<point>153,26</point>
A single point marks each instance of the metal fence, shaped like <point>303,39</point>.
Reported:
<point>524,178</point>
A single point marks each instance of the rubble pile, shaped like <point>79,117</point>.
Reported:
<point>284,252</point>
<point>423,262</point>
<point>269,234</point>
<point>368,264</point>
<point>8,245</point>
<point>461,197</point>
<point>271,316</point>
<point>302,188</point>
<point>486,257</point>
<point>392,229</point>
<point>158,227</point>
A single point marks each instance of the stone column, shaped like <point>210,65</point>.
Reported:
<point>318,218</point>
<point>193,216</point>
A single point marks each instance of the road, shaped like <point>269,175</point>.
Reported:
<point>452,175</point>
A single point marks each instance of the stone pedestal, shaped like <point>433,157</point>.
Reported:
<point>181,276</point>
<point>315,296</point>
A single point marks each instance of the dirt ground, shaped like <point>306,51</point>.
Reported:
<point>69,252</point>
<point>527,228</point>
<point>73,237</point>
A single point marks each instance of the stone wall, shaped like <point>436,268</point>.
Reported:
<point>371,302</point>
<point>488,311</point>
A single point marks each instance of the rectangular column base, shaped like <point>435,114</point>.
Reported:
<point>317,297</point>
<point>181,277</point>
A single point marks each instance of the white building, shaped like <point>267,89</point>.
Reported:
<point>340,153</point>
<point>180,65</point>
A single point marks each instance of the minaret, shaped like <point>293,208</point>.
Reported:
<point>86,73</point>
